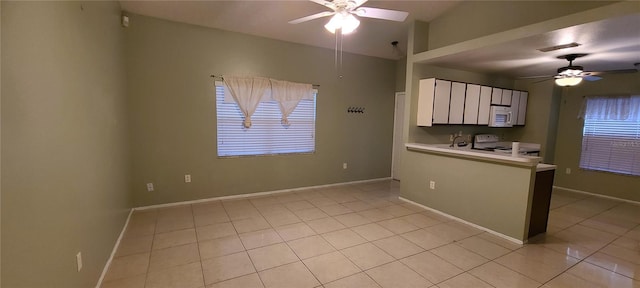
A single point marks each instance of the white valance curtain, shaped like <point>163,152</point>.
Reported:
<point>288,95</point>
<point>611,108</point>
<point>248,92</point>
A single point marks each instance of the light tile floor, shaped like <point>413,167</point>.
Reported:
<point>363,236</point>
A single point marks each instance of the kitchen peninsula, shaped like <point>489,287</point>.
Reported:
<point>508,196</point>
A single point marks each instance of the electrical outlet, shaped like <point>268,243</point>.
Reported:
<point>79,261</point>
<point>469,138</point>
<point>432,185</point>
<point>187,178</point>
<point>149,187</point>
<point>568,170</point>
<point>344,165</point>
<point>451,137</point>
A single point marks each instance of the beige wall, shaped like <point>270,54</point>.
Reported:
<point>569,140</point>
<point>473,19</point>
<point>65,168</point>
<point>173,119</point>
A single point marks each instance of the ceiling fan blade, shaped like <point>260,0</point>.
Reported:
<point>325,3</point>
<point>540,81</point>
<point>360,2</point>
<point>537,77</point>
<point>378,13</point>
<point>311,17</point>
<point>620,71</point>
<point>591,78</point>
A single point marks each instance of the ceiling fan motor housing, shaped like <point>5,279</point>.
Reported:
<point>570,70</point>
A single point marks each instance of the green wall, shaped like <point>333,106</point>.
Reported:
<point>65,167</point>
<point>492,195</point>
<point>173,119</point>
<point>569,140</point>
<point>542,116</point>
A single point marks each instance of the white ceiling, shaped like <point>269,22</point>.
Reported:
<point>611,44</point>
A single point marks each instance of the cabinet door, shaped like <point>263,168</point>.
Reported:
<point>485,105</point>
<point>456,107</point>
<point>522,107</point>
<point>506,97</point>
<point>441,102</point>
<point>515,104</point>
<point>496,96</point>
<point>471,104</point>
<point>425,101</point>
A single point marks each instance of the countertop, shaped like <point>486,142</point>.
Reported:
<point>467,152</point>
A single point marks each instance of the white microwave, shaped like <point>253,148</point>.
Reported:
<point>500,116</point>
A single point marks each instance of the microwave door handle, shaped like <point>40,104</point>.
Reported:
<point>509,117</point>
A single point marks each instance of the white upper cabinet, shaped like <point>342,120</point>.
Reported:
<point>456,106</point>
<point>515,104</point>
<point>522,107</point>
<point>496,96</point>
<point>426,92</point>
<point>441,101</point>
<point>447,102</point>
<point>472,104</point>
<point>485,105</point>
<point>433,102</point>
<point>506,97</point>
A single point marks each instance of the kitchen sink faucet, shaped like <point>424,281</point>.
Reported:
<point>453,142</point>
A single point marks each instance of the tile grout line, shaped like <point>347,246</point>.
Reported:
<point>193,218</point>
<point>285,242</point>
<point>153,239</point>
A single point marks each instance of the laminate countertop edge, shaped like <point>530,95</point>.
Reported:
<point>466,152</point>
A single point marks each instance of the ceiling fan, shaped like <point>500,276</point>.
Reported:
<point>572,75</point>
<point>344,12</point>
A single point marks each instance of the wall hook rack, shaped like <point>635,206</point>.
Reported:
<point>352,109</point>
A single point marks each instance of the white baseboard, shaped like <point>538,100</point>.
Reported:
<point>596,195</point>
<point>509,238</point>
<point>246,195</point>
<point>113,252</point>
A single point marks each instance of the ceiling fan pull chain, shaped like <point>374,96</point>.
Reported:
<point>335,61</point>
<point>341,41</point>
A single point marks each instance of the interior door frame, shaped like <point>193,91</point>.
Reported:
<point>395,118</point>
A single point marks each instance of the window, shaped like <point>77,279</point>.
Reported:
<point>267,135</point>
<point>611,135</point>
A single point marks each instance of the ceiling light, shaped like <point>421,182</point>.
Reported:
<point>347,23</point>
<point>558,47</point>
<point>568,81</point>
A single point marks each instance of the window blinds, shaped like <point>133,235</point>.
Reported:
<point>267,135</point>
<point>611,143</point>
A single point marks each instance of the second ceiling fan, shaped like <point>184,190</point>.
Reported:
<point>344,12</point>
<point>572,75</point>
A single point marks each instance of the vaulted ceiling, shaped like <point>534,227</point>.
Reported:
<point>612,43</point>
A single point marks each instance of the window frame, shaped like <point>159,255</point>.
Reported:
<point>257,117</point>
<point>613,133</point>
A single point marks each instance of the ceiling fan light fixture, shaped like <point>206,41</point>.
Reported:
<point>568,81</point>
<point>347,23</point>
